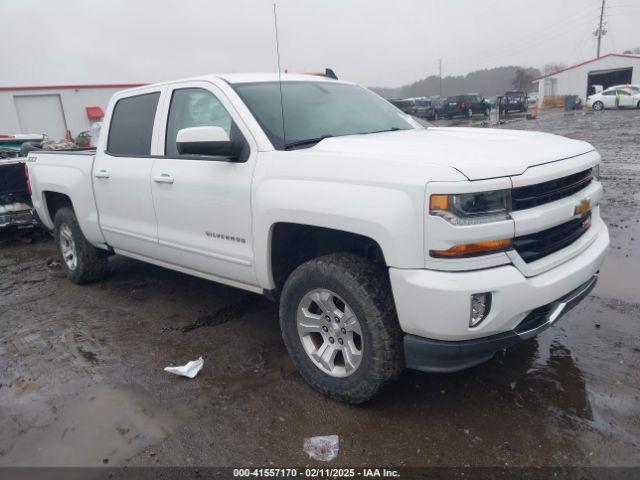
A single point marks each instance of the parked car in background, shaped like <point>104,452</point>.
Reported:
<point>516,100</point>
<point>607,99</point>
<point>405,104</point>
<point>16,210</point>
<point>424,107</point>
<point>465,105</point>
<point>634,88</point>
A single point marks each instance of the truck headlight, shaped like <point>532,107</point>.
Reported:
<point>595,172</point>
<point>471,208</point>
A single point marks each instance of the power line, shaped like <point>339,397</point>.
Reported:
<point>550,32</point>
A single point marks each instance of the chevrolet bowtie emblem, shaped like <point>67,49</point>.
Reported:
<point>583,207</point>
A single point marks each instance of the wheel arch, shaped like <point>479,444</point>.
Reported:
<point>292,244</point>
<point>54,201</point>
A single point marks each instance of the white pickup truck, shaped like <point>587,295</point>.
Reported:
<point>388,245</point>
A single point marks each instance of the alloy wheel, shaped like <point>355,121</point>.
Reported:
<point>330,333</point>
<point>68,247</point>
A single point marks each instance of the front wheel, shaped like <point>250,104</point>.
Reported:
<point>81,262</point>
<point>597,106</point>
<point>339,325</point>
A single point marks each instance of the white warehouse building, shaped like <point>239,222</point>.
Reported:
<point>608,70</point>
<point>53,110</point>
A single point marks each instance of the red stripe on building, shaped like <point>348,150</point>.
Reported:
<point>72,87</point>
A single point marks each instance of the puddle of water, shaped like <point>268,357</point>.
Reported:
<point>619,279</point>
<point>106,425</point>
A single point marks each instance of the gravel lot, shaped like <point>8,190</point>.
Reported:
<point>82,381</point>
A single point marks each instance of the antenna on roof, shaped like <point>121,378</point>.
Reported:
<point>275,22</point>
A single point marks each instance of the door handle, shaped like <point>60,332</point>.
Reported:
<point>163,178</point>
<point>102,174</point>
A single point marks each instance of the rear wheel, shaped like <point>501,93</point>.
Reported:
<point>597,106</point>
<point>81,262</point>
<point>339,324</point>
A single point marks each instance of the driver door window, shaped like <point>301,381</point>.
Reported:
<point>194,107</point>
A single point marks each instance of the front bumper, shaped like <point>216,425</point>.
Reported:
<point>433,307</point>
<point>445,356</point>
<point>435,304</point>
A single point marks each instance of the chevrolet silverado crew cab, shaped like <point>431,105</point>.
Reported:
<point>386,244</point>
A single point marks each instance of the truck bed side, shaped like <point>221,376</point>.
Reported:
<point>53,174</point>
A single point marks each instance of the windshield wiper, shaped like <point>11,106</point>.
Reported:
<point>308,141</point>
<point>392,129</point>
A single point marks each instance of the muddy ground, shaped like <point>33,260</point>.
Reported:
<point>82,381</point>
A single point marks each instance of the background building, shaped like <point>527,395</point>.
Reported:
<point>608,70</point>
<point>53,110</point>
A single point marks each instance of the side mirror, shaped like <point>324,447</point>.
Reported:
<point>213,141</point>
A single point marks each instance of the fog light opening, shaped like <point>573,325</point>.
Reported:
<point>480,307</point>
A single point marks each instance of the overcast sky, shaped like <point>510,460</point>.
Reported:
<point>373,42</point>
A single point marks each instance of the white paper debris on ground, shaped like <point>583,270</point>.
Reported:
<point>190,370</point>
<point>323,448</point>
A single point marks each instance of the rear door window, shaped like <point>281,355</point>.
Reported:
<point>131,125</point>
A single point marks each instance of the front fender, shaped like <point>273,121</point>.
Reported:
<point>392,217</point>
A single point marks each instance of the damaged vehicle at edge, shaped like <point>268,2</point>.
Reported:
<point>16,209</point>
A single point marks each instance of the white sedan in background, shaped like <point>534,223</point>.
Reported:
<point>607,99</point>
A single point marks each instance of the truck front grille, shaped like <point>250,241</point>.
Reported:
<point>540,244</point>
<point>546,192</point>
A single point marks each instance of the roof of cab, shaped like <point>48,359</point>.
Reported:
<point>274,77</point>
<point>236,78</point>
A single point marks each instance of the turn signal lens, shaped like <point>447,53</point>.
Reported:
<point>473,249</point>
<point>439,202</point>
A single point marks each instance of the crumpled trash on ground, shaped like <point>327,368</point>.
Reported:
<point>189,370</point>
<point>324,448</point>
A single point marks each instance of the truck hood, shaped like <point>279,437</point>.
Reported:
<point>477,153</point>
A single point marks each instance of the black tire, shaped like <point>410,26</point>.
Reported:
<point>597,106</point>
<point>365,287</point>
<point>91,262</point>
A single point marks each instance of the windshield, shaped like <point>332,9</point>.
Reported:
<point>313,110</point>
